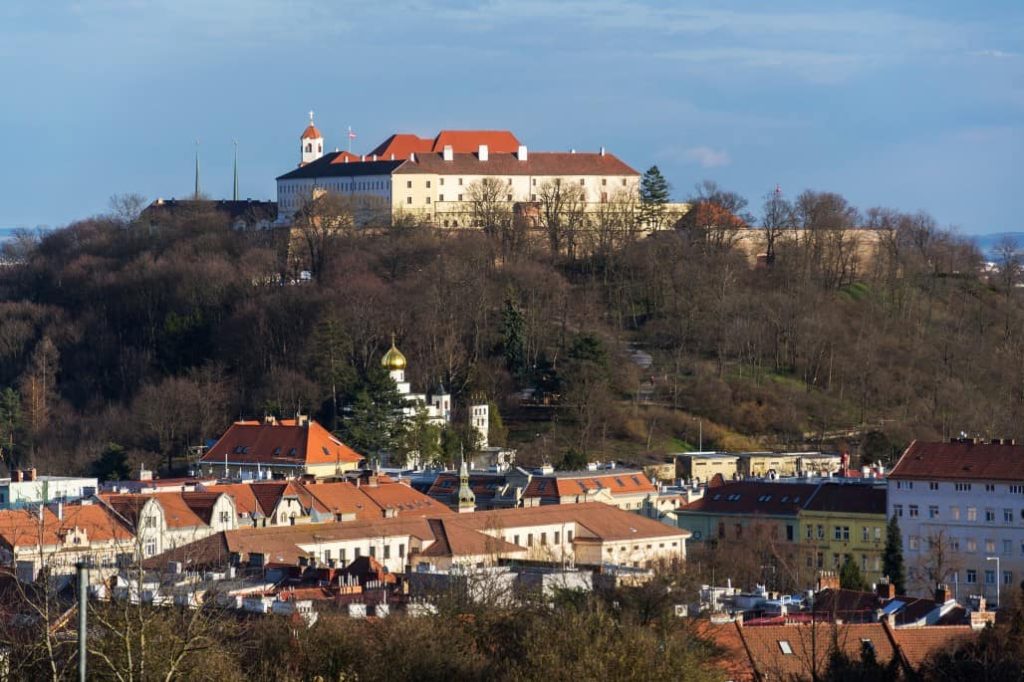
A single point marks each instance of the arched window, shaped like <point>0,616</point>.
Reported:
<point>309,147</point>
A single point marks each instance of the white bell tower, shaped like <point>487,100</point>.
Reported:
<point>311,143</point>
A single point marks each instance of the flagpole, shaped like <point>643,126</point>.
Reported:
<point>350,139</point>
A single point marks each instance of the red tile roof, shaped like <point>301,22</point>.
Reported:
<point>310,133</point>
<point>917,644</point>
<point>23,528</point>
<point>962,460</point>
<point>461,141</point>
<point>810,646</point>
<point>537,163</point>
<point>284,442</point>
<point>732,657</point>
<point>615,481</point>
<point>753,497</point>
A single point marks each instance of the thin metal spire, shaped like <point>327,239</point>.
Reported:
<point>197,169</point>
<point>234,194</point>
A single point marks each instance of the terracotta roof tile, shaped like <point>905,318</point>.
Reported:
<point>961,461</point>
<point>22,527</point>
<point>311,132</point>
<point>616,482</point>
<point>537,163</point>
<point>916,644</point>
<point>753,497</point>
<point>783,651</point>
<point>284,442</point>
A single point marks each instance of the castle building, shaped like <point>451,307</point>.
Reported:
<point>433,178</point>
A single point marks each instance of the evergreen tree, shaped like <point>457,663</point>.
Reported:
<point>892,559</point>
<point>112,464</point>
<point>513,338</point>
<point>373,423</point>
<point>654,194</point>
<point>331,348</point>
<point>850,577</point>
<point>420,437</point>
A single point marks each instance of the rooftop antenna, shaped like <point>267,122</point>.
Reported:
<point>196,195</point>
<point>234,194</point>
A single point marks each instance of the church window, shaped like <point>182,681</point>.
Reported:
<point>309,147</point>
<point>408,200</point>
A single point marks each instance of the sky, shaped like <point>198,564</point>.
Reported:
<point>916,105</point>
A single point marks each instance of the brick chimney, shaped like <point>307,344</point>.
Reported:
<point>30,474</point>
<point>16,476</point>
<point>942,593</point>
<point>885,589</point>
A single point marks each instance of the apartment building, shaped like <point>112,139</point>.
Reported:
<point>960,507</point>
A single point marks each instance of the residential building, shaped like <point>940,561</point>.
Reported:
<point>787,464</point>
<point>703,466</point>
<point>26,487</point>
<point>273,448</point>
<point>434,179</point>
<point>579,534</point>
<point>59,536</point>
<point>960,507</point>
<point>623,488</point>
<point>842,520</point>
<point>163,521</point>
<point>745,510</point>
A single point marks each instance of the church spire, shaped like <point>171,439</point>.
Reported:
<point>234,194</point>
<point>467,500</point>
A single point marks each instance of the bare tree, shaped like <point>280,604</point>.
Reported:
<point>126,208</point>
<point>563,215</point>
<point>777,217</point>
<point>318,223</point>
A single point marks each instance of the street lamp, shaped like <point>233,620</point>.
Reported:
<point>999,576</point>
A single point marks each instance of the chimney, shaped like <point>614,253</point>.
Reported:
<point>412,157</point>
<point>572,150</point>
<point>885,589</point>
<point>449,153</point>
<point>363,157</point>
<point>346,159</point>
<point>942,593</point>
<point>60,511</point>
<point>145,474</point>
<point>522,155</point>
<point>392,156</point>
<point>16,476</point>
<point>482,152</point>
<point>374,157</point>
<point>30,474</point>
<point>828,580</point>
<point>602,151</point>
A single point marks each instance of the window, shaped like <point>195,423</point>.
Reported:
<point>510,197</point>
<point>440,181</point>
<point>623,182</point>
<point>373,551</point>
<point>972,545</point>
<point>990,516</point>
<point>739,530</point>
<point>604,182</point>
<point>933,511</point>
<point>1007,547</point>
<point>556,537</point>
<point>821,560</point>
<point>533,197</point>
<point>990,577</point>
<point>440,197</point>
<point>990,546</point>
<point>865,533</point>
<point>529,539</point>
<point>1017,489</point>
<point>914,543</point>
<point>428,184</point>
<point>1007,577</point>
<point>904,485</point>
<point>408,200</point>
<point>954,544</point>
<point>810,532</point>
<point>387,552</point>
<point>962,487</point>
<point>785,647</point>
<point>582,182</point>
<point>568,536</point>
<point>842,533</point>
<point>460,197</point>
<point>543,538</point>
<point>534,182</point>
<point>954,513</point>
<point>150,549</point>
<point>1007,516</point>
<point>225,517</point>
<point>408,184</point>
<point>789,533</point>
<point>933,485</point>
<point>821,532</point>
<point>341,555</point>
<point>150,522</point>
<point>863,562</point>
<point>897,509</point>
<point>428,200</point>
<point>972,513</point>
<point>972,576</point>
<point>516,540</point>
<point>913,511</point>
<point>878,534</point>
<point>358,552</point>
<point>990,487</point>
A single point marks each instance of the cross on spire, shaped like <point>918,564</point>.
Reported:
<point>311,117</point>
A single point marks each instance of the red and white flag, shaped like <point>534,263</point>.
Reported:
<point>351,135</point>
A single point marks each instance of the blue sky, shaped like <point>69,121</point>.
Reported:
<point>915,105</point>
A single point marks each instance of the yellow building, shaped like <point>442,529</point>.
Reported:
<point>703,466</point>
<point>842,520</point>
<point>766,464</point>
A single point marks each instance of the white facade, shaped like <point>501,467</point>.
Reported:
<point>33,490</point>
<point>973,520</point>
<point>479,419</point>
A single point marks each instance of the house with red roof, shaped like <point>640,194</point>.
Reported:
<point>272,448</point>
<point>162,521</point>
<point>623,488</point>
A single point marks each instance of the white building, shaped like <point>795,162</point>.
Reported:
<point>432,178</point>
<point>960,507</point>
<point>26,487</point>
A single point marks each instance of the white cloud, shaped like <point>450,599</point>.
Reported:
<point>996,54</point>
<point>708,157</point>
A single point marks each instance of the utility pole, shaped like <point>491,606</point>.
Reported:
<point>83,606</point>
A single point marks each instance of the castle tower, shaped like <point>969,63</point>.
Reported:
<point>394,362</point>
<point>479,419</point>
<point>467,500</point>
<point>311,143</point>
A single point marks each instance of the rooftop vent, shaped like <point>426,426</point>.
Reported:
<point>522,154</point>
<point>482,152</point>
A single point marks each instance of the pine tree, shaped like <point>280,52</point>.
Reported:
<point>654,194</point>
<point>850,577</point>
<point>373,423</point>
<point>11,427</point>
<point>892,559</point>
<point>513,335</point>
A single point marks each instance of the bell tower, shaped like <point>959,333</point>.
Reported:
<point>311,143</point>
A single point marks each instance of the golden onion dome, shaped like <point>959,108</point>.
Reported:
<point>393,359</point>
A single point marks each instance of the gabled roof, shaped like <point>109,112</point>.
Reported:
<point>961,460</point>
<point>281,443</point>
<point>604,522</point>
<point>782,651</point>
<point>570,483</point>
<point>25,527</point>
<point>752,497</point>
<point>333,165</point>
<point>461,141</point>
<point>732,657</point>
<point>537,163</point>
<point>917,644</point>
<point>456,540</point>
<point>403,499</point>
